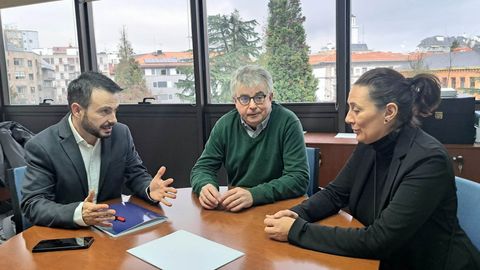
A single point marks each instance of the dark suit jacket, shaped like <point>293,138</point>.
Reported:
<point>56,181</point>
<point>417,227</point>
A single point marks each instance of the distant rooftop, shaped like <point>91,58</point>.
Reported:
<point>365,56</point>
<point>359,47</point>
<point>462,59</point>
<point>440,43</point>
<point>161,58</point>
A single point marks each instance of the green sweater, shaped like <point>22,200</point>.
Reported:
<point>273,166</point>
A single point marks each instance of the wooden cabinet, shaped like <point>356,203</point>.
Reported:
<point>334,153</point>
<point>466,160</point>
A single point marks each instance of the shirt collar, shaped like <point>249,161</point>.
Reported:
<point>78,138</point>
<point>254,133</point>
<point>261,126</point>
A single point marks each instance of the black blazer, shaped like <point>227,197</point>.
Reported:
<point>417,227</point>
<point>56,181</point>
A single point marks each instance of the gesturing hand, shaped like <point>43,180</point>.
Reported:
<point>159,188</point>
<point>96,214</point>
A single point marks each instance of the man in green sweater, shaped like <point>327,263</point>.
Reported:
<point>260,144</point>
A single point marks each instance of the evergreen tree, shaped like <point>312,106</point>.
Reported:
<point>232,43</point>
<point>287,53</point>
<point>187,85</point>
<point>128,73</point>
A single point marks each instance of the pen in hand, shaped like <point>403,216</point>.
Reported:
<point>121,219</point>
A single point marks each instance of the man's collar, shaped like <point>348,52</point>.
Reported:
<point>78,137</point>
<point>260,126</point>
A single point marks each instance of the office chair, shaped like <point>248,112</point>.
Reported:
<point>312,160</point>
<point>468,212</point>
<point>15,179</point>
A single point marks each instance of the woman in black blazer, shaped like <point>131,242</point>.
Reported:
<point>399,183</point>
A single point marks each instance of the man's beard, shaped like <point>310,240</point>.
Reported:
<point>90,128</point>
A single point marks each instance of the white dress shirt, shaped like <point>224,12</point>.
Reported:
<point>91,155</point>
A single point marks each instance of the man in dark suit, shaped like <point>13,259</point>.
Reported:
<point>85,158</point>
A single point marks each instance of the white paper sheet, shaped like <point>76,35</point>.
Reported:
<point>184,250</point>
<point>346,135</point>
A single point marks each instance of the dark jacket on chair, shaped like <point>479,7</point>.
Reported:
<point>13,137</point>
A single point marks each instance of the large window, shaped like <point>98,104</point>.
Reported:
<point>146,47</point>
<point>294,40</point>
<point>43,34</point>
<point>437,37</point>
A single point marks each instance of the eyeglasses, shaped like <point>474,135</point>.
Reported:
<point>245,100</point>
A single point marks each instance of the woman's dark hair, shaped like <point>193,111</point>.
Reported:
<point>417,96</point>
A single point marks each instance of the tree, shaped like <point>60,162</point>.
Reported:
<point>229,33</point>
<point>455,44</point>
<point>187,85</point>
<point>417,62</point>
<point>128,73</point>
<point>287,53</point>
<point>232,42</point>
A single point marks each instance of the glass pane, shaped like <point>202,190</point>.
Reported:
<point>149,55</point>
<point>400,35</point>
<point>41,51</point>
<point>242,32</point>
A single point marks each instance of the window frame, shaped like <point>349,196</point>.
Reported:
<point>198,11</point>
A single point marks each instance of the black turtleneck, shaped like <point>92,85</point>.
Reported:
<point>369,202</point>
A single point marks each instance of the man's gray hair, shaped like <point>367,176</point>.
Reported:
<point>251,76</point>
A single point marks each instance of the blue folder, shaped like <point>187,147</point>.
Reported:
<point>136,218</point>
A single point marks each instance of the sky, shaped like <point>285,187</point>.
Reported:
<point>396,26</point>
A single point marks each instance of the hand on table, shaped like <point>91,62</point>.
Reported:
<point>209,197</point>
<point>236,199</point>
<point>278,225</point>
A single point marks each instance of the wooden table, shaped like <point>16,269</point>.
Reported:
<point>242,231</point>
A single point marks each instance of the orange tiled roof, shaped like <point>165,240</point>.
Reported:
<point>463,49</point>
<point>370,56</point>
<point>322,57</point>
<point>164,59</point>
<point>379,56</point>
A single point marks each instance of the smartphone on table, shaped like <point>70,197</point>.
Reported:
<point>63,244</point>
